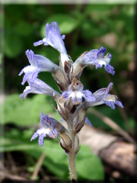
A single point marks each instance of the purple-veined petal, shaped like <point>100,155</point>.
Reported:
<point>119,104</point>
<point>102,96</point>
<point>88,96</point>
<point>109,87</point>
<point>54,38</point>
<point>41,139</point>
<point>66,94</point>
<point>76,92</point>
<point>48,127</point>
<point>40,87</point>
<point>53,134</point>
<point>110,104</point>
<point>93,57</point>
<point>31,73</point>
<point>40,42</point>
<point>110,69</point>
<point>35,135</point>
<point>101,52</point>
<point>38,63</point>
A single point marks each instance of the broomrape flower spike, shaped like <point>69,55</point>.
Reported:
<point>72,101</point>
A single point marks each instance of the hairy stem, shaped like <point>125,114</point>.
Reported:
<point>71,155</point>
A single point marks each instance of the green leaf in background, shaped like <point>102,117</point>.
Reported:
<point>55,161</point>
<point>23,28</point>
<point>66,23</point>
<point>98,8</point>
<point>25,112</point>
<point>12,45</point>
<point>90,29</point>
<point>89,166</point>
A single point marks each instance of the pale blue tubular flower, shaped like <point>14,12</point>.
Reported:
<point>102,96</point>
<point>54,38</point>
<point>38,63</point>
<point>94,57</point>
<point>76,92</point>
<point>52,128</point>
<point>39,87</point>
<point>48,127</point>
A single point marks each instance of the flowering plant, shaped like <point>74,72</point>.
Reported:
<point>72,101</point>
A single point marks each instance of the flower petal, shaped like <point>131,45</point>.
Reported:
<point>110,69</point>
<point>40,87</point>
<point>31,73</point>
<point>93,57</point>
<point>110,104</point>
<point>88,96</point>
<point>48,127</point>
<point>87,121</point>
<point>119,104</point>
<point>38,63</point>
<point>102,96</point>
<point>41,139</point>
<point>76,92</point>
<point>40,42</point>
<point>53,38</point>
<point>35,135</point>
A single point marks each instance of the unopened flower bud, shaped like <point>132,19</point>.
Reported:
<point>68,66</point>
<point>65,107</point>
<point>61,79</point>
<point>65,142</point>
<point>77,68</point>
<point>79,117</point>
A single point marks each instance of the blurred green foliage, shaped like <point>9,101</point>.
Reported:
<point>55,160</point>
<point>86,27</point>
